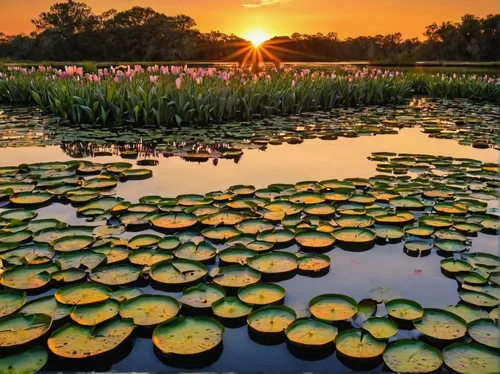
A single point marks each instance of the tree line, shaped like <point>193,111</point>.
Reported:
<point>70,31</point>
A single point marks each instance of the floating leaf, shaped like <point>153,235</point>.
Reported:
<point>202,295</point>
<point>20,328</point>
<point>11,301</point>
<point>150,310</point>
<point>485,331</point>
<point>314,239</point>
<point>471,358</point>
<point>75,341</point>
<point>440,324</point>
<point>116,275</point>
<point>261,293</point>
<point>271,319</point>
<point>314,263</point>
<point>47,305</point>
<point>178,271</point>
<point>380,328</point>
<point>28,277</point>
<point>93,314</point>
<point>230,308</point>
<point>310,332</point>
<point>354,235</point>
<point>188,336</point>
<point>356,343</point>
<point>333,307</point>
<point>274,262</point>
<point>30,360</point>
<point>404,309</point>
<point>82,294</point>
<point>412,356</point>
<point>236,276</point>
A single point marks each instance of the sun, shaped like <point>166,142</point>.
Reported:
<point>257,37</point>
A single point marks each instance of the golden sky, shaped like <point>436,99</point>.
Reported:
<point>280,17</point>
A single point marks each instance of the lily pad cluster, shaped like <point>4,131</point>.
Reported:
<point>225,250</point>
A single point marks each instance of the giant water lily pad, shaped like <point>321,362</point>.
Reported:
<point>220,233</point>
<point>11,301</point>
<point>359,344</point>
<point>178,271</point>
<point>471,358</point>
<point>82,294</point>
<point>28,277</point>
<point>76,259</point>
<point>34,253</point>
<point>468,312</point>
<point>148,257</point>
<point>93,314</point>
<point>449,245</point>
<point>72,243</point>
<point>271,319</point>
<point>440,324</point>
<point>390,233</point>
<point>202,295</point>
<point>116,275</point>
<point>333,307</point>
<point>113,253</point>
<point>309,332</point>
<point>174,221</point>
<point>314,239</point>
<point>236,255</point>
<point>143,240</point>
<point>485,331</point>
<point>404,309</point>
<point>202,252</point>
<point>29,360</point>
<point>352,235</point>
<point>30,199</point>
<point>230,308</point>
<point>223,218</point>
<point>254,226</point>
<point>452,265</point>
<point>261,293</point>
<point>412,356</point>
<point>47,305</point>
<point>276,236</point>
<point>21,328</point>
<point>380,328</point>
<point>188,336</point>
<point>236,276</point>
<point>76,341</point>
<point>314,263</point>
<point>150,310</point>
<point>274,262</point>
<point>395,219</point>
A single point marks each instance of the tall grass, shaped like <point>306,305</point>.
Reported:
<point>181,95</point>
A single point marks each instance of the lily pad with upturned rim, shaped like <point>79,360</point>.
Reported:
<point>333,307</point>
<point>440,324</point>
<point>236,276</point>
<point>314,263</point>
<point>485,331</point>
<point>116,275</point>
<point>352,235</point>
<point>187,336</point>
<point>404,309</point>
<point>20,329</point>
<point>72,243</point>
<point>75,341</point>
<point>93,314</point>
<point>310,332</point>
<point>83,293</point>
<point>150,310</point>
<point>274,262</point>
<point>356,343</point>
<point>236,255</point>
<point>272,319</point>
<point>202,295</point>
<point>30,360</point>
<point>11,301</point>
<point>478,298</point>
<point>380,328</point>
<point>230,308</point>
<point>178,272</point>
<point>47,305</point>
<point>412,356</point>
<point>261,294</point>
<point>314,239</point>
<point>471,358</point>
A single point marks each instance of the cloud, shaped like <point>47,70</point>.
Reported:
<point>260,3</point>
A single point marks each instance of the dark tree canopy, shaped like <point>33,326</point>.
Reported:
<point>71,31</point>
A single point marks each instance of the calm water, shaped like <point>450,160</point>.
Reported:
<point>350,273</point>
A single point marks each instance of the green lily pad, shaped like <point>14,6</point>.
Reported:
<point>356,343</point>
<point>76,259</point>
<point>30,199</point>
<point>485,331</point>
<point>124,294</point>
<point>478,298</point>
<point>380,328</point>
<point>28,277</point>
<point>236,255</point>
<point>404,309</point>
<point>11,301</point>
<point>276,236</point>
<point>76,341</point>
<point>188,335</point>
<point>235,276</point>
<point>333,307</point>
<point>314,263</point>
<point>47,305</point>
<point>314,239</point>
<point>169,243</point>
<point>262,294</point>
<point>449,245</point>
<point>202,295</point>
<point>391,233</point>
<point>72,243</point>
<point>230,308</point>
<point>143,241</point>
<point>20,329</point>
<point>354,235</point>
<point>174,221</point>
<point>408,203</point>
<point>452,265</point>
<point>272,319</point>
<point>30,360</point>
<point>471,358</point>
<point>35,253</point>
<point>309,332</point>
<point>274,262</point>
<point>178,271</point>
<point>116,275</point>
<point>421,231</point>
<point>82,294</point>
<point>468,312</point>
<point>440,324</point>
<point>150,310</point>
<point>412,356</point>
<point>418,245</point>
<point>202,252</point>
<point>93,314</point>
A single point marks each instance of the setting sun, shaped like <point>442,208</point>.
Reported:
<point>257,37</point>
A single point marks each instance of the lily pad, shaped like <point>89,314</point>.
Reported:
<point>82,294</point>
<point>440,324</point>
<point>479,298</point>
<point>236,255</point>
<point>271,319</point>
<point>11,301</point>
<point>353,235</point>
<point>236,276</point>
<point>188,336</point>
<point>404,309</point>
<point>309,332</point>
<point>471,358</point>
<point>452,265</point>
<point>262,294</point>
<point>178,271</point>
<point>174,221</point>
<point>202,252</point>
<point>30,360</point>
<point>28,277</point>
<point>333,307</point>
<point>380,328</point>
<point>358,344</point>
<point>202,295</point>
<point>76,341</point>
<point>21,328</point>
<point>274,262</point>
<point>412,356</point>
<point>143,241</point>
<point>150,310</point>
<point>93,314</point>
<point>47,305</point>
<point>314,263</point>
<point>485,331</point>
<point>72,243</point>
<point>230,308</point>
<point>116,275</point>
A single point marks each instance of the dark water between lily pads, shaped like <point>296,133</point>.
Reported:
<point>351,273</point>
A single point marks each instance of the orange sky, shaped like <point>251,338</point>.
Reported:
<point>280,17</point>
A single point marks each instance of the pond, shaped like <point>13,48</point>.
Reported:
<point>352,273</point>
